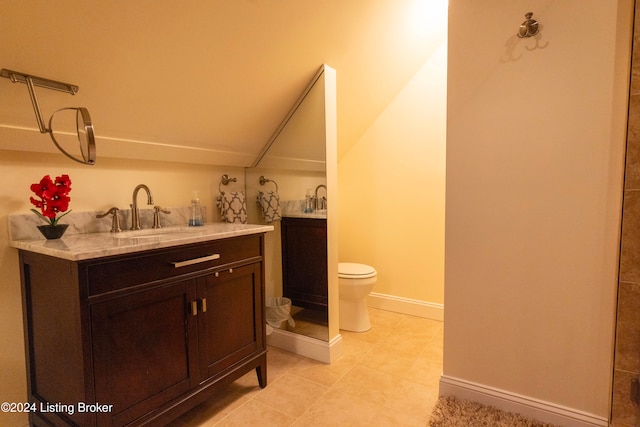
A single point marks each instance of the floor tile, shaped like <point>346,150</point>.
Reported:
<point>254,412</point>
<point>280,362</point>
<point>322,373</point>
<point>291,394</point>
<point>386,376</point>
<point>354,348</point>
<point>413,399</point>
<point>425,371</point>
<point>390,359</point>
<point>369,384</point>
<point>372,336</point>
<point>213,410</point>
<point>388,417</point>
<point>336,408</point>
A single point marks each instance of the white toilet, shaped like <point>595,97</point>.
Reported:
<point>355,282</point>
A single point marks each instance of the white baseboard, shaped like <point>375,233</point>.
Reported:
<point>322,351</point>
<point>412,307</point>
<point>529,407</point>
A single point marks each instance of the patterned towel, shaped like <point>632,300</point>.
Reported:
<point>269,201</point>
<point>233,207</point>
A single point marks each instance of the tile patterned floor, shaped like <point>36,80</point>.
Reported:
<point>387,376</point>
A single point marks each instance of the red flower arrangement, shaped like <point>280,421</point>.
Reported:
<point>53,198</point>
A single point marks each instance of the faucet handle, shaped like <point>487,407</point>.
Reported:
<point>115,220</point>
<point>156,216</point>
<point>321,203</point>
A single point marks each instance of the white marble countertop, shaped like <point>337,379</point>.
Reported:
<point>312,215</point>
<point>77,247</point>
<point>295,209</point>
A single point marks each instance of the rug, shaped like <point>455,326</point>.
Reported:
<point>452,412</point>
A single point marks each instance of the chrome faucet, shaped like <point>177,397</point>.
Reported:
<point>321,204</point>
<point>135,214</point>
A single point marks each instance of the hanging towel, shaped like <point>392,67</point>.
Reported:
<point>233,207</point>
<point>269,202</point>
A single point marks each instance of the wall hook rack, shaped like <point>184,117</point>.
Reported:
<point>528,28</point>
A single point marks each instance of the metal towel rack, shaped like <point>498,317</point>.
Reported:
<point>225,180</point>
<point>264,180</point>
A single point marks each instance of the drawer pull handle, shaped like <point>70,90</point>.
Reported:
<point>203,301</point>
<point>178,264</point>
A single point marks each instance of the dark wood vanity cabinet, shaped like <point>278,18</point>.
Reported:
<point>227,334</point>
<point>304,262</point>
<point>141,349</point>
<point>146,336</point>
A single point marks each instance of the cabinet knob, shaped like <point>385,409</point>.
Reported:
<point>217,274</point>
<point>231,270</point>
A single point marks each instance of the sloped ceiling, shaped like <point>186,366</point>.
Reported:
<point>205,81</point>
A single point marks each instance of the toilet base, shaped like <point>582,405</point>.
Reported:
<point>354,316</point>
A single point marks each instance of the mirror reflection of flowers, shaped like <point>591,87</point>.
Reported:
<point>53,198</point>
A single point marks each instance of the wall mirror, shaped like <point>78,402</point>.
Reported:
<point>299,143</point>
<point>295,162</point>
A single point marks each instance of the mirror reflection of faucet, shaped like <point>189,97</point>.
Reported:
<point>321,203</point>
<point>314,203</point>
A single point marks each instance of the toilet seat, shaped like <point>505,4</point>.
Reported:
<point>351,270</point>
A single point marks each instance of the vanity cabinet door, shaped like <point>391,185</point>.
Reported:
<point>143,349</point>
<point>304,262</point>
<point>230,322</point>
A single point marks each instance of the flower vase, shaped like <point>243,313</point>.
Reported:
<point>53,231</point>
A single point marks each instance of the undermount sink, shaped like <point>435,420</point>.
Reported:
<point>150,233</point>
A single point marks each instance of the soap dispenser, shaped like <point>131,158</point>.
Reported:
<point>196,211</point>
<point>308,202</point>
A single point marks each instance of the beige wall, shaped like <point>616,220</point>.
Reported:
<point>108,183</point>
<point>392,190</point>
<point>535,143</point>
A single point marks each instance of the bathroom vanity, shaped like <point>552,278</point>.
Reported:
<point>143,327</point>
<point>304,261</point>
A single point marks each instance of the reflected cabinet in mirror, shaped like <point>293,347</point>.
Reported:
<point>294,173</point>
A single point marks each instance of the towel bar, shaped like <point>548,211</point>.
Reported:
<point>264,180</point>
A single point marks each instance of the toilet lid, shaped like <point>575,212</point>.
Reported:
<point>351,269</point>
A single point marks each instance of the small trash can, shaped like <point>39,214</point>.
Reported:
<point>279,313</point>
